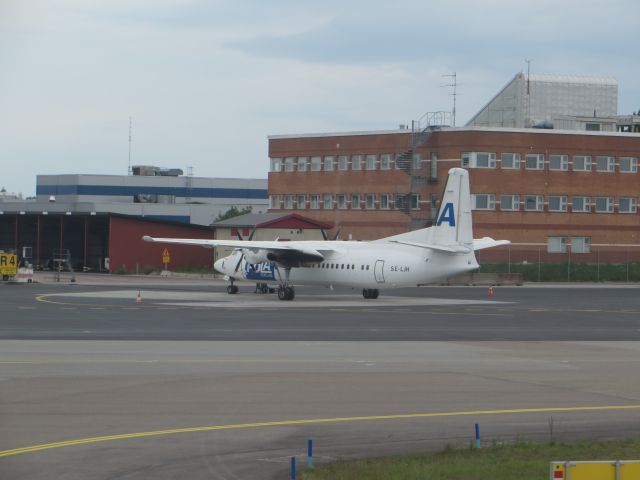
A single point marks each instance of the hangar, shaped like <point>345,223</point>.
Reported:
<point>94,242</point>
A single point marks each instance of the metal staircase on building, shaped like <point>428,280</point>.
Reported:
<point>421,172</point>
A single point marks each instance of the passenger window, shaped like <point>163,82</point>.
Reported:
<point>342,267</point>
<point>367,267</point>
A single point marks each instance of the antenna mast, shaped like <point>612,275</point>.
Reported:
<point>129,169</point>
<point>528,60</point>
<point>454,94</point>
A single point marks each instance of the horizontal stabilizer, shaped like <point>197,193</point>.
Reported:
<point>488,242</point>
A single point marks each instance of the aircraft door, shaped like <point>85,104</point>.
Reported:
<point>378,271</point>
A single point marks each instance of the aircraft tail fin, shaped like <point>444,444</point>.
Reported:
<point>453,222</point>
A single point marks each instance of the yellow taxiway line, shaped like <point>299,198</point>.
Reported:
<point>238,426</point>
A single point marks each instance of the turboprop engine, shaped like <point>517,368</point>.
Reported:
<point>254,257</point>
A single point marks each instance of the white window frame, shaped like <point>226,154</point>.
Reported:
<point>302,164</point>
<point>538,203</point>
<point>289,164</point>
<point>276,164</point>
<point>314,201</point>
<point>328,163</point>
<point>370,162</point>
<point>274,201</point>
<point>400,201</point>
<point>316,164</point>
<point>343,162</point>
<point>515,161</point>
<point>609,163</point>
<point>288,202</point>
<point>490,201</point>
<point>356,200</point>
<point>608,205</point>
<point>580,244</point>
<point>385,201</point>
<point>632,205</point>
<point>472,160</point>
<point>633,164</point>
<point>586,206</point>
<point>414,201</point>
<point>564,162</point>
<point>556,244</point>
<point>586,159</point>
<point>416,161</point>
<point>341,201</point>
<point>370,201</point>
<point>327,198</point>
<point>538,158</point>
<point>514,202</point>
<point>356,162</point>
<point>301,205</point>
<point>562,203</point>
<point>385,161</point>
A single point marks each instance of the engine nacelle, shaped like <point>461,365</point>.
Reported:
<point>253,257</point>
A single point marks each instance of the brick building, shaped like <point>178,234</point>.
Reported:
<point>548,191</point>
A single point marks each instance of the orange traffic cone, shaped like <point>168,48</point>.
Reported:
<point>491,293</point>
<point>139,297</point>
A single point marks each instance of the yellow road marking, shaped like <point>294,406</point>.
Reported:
<point>238,426</point>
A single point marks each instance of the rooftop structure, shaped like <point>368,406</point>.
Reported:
<point>187,199</point>
<point>549,101</point>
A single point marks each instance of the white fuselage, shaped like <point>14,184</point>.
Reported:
<point>360,264</point>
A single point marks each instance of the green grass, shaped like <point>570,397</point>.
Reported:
<point>521,461</point>
<point>562,272</point>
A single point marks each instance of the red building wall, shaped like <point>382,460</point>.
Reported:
<point>127,249</point>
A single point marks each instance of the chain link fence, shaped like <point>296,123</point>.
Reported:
<point>603,263</point>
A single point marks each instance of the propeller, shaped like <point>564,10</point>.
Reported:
<point>241,251</point>
<point>326,237</point>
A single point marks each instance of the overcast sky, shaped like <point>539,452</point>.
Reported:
<point>207,81</point>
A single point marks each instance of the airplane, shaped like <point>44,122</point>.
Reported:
<point>408,259</point>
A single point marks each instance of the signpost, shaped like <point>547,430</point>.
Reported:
<point>8,264</point>
<point>166,258</point>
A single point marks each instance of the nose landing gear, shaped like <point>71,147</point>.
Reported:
<point>232,289</point>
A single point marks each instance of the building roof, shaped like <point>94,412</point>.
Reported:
<point>572,79</point>
<point>340,134</point>
<point>263,220</point>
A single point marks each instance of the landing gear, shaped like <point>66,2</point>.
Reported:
<point>285,290</point>
<point>371,293</point>
<point>232,289</point>
<point>286,293</point>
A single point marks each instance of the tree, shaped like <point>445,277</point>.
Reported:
<point>233,212</point>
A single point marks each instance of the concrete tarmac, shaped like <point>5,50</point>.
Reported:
<point>121,390</point>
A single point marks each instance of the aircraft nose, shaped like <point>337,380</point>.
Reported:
<point>219,265</point>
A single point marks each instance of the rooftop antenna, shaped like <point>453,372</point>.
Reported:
<point>454,94</point>
<point>528,60</point>
<point>129,169</point>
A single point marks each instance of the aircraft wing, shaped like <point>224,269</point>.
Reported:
<point>287,252</point>
<point>488,242</point>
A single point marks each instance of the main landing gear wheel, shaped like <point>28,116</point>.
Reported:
<point>286,293</point>
<point>371,293</point>
<point>232,289</point>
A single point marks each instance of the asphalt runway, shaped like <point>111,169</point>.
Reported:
<point>95,386</point>
<point>206,312</point>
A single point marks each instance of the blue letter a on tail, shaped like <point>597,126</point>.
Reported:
<point>447,215</point>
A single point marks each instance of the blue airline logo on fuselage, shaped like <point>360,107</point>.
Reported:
<point>259,271</point>
<point>447,215</point>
